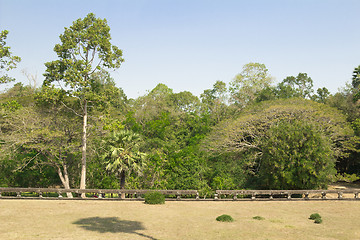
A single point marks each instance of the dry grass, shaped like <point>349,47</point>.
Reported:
<point>53,219</point>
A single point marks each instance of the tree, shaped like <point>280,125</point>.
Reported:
<point>322,95</point>
<point>185,102</point>
<point>85,49</point>
<point>44,132</point>
<point>356,83</point>
<point>295,155</point>
<point>122,154</point>
<point>7,60</point>
<point>299,86</point>
<point>215,100</point>
<point>246,85</point>
<point>242,138</point>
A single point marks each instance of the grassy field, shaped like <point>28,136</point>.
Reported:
<point>53,219</point>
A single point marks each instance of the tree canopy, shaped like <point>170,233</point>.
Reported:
<point>7,60</point>
<point>244,137</point>
<point>80,130</point>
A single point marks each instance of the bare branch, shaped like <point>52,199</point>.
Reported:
<point>27,163</point>
<point>69,108</point>
<point>95,67</point>
<point>81,47</point>
<point>93,56</point>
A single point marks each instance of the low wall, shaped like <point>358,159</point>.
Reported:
<point>91,194</point>
<point>189,195</point>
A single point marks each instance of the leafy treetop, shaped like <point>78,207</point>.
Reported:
<point>7,61</point>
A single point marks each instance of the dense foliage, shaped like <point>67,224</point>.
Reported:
<point>154,198</point>
<point>224,218</point>
<point>250,134</point>
<point>295,156</point>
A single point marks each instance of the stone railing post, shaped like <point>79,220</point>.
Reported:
<point>340,195</point>
<point>197,196</point>
<point>235,196</point>
<point>306,195</point>
<point>323,195</point>
<point>216,196</point>
<point>289,196</point>
<point>252,196</point>
<point>18,194</point>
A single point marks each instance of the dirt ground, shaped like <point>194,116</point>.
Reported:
<point>54,219</point>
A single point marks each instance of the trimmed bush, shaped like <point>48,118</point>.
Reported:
<point>318,220</point>
<point>258,218</point>
<point>154,198</point>
<point>224,218</point>
<point>314,216</point>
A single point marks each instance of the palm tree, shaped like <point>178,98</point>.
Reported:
<point>122,154</point>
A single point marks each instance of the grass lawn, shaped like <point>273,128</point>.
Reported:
<point>53,219</point>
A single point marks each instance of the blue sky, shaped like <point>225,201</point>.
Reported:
<point>189,45</point>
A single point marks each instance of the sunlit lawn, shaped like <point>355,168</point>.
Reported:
<point>54,219</point>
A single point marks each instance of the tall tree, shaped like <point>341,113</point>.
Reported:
<point>322,94</point>
<point>356,83</point>
<point>246,85</point>
<point>85,48</point>
<point>7,60</point>
<point>214,101</point>
<point>299,86</point>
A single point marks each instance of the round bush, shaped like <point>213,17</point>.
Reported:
<point>318,220</point>
<point>154,198</point>
<point>224,218</point>
<point>315,216</point>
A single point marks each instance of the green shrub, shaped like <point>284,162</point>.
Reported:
<point>318,220</point>
<point>154,198</point>
<point>258,218</point>
<point>349,178</point>
<point>314,216</point>
<point>224,218</point>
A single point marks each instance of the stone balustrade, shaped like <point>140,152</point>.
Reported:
<point>109,194</point>
<point>219,195</point>
<point>287,194</point>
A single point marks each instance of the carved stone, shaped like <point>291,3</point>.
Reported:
<point>340,195</point>
<point>323,195</point>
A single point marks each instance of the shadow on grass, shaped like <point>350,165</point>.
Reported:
<point>111,225</point>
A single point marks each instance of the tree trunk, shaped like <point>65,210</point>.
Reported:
<point>122,182</point>
<point>65,179</point>
<point>83,151</point>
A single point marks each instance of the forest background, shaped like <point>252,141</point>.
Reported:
<point>78,129</point>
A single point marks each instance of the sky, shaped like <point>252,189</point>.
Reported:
<point>189,45</point>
